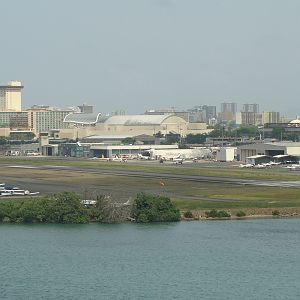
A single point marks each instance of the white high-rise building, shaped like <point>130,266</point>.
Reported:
<point>10,96</point>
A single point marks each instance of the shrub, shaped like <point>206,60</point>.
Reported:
<point>153,208</point>
<point>61,208</point>
<point>223,214</point>
<point>275,213</point>
<point>6,220</point>
<point>211,214</point>
<point>188,214</point>
<point>106,211</point>
<point>217,214</point>
<point>240,214</point>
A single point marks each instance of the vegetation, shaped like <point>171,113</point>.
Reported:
<point>217,214</point>
<point>153,208</point>
<point>128,141</point>
<point>66,207</point>
<point>106,211</point>
<point>188,214</point>
<point>240,214</point>
<point>171,138</point>
<point>196,138</point>
<point>61,208</point>
<point>275,213</point>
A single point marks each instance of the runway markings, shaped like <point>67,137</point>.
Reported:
<point>23,167</point>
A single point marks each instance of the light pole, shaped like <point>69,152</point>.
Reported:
<point>223,127</point>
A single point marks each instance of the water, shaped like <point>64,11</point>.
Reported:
<point>257,259</point>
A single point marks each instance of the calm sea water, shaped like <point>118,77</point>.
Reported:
<point>257,259</point>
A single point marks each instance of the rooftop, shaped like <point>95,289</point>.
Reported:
<point>84,119</point>
<point>138,119</point>
<point>285,144</point>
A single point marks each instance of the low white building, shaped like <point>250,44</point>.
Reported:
<point>226,154</point>
<point>127,151</point>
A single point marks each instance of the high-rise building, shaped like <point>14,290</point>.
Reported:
<point>271,117</point>
<point>46,119</point>
<point>10,96</point>
<point>228,112</point>
<point>251,118</point>
<point>14,119</point>
<point>202,113</point>
<point>211,111</point>
<point>253,107</point>
<point>228,107</point>
<point>86,109</point>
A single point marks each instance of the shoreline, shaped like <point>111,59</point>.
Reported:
<point>234,218</point>
<point>250,214</point>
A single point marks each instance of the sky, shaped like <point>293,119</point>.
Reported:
<point>136,55</point>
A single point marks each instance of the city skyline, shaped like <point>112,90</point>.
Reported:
<point>10,96</point>
<point>139,55</point>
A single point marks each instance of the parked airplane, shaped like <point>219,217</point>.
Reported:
<point>246,166</point>
<point>121,159</point>
<point>14,191</point>
<point>178,159</point>
<point>145,157</point>
<point>260,166</point>
<point>293,167</point>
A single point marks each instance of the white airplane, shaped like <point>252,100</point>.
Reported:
<point>145,157</point>
<point>178,159</point>
<point>121,159</point>
<point>246,166</point>
<point>275,163</point>
<point>127,203</point>
<point>293,167</point>
<point>260,166</point>
<point>267,164</point>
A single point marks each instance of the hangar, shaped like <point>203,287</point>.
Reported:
<point>288,150</point>
<point>83,125</point>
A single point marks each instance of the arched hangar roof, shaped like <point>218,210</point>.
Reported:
<point>140,119</point>
<point>296,121</point>
<point>85,119</point>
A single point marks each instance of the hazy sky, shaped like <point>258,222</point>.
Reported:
<point>142,54</point>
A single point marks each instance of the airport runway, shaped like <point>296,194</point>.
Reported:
<point>162,176</point>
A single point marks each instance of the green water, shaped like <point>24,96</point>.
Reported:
<point>257,259</point>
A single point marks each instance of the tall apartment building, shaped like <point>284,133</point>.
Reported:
<point>202,113</point>
<point>228,112</point>
<point>211,111</point>
<point>230,107</point>
<point>271,117</point>
<point>14,120</point>
<point>10,96</point>
<point>86,109</point>
<point>251,118</point>
<point>253,107</point>
<point>41,120</point>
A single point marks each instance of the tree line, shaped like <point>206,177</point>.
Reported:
<point>67,207</point>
